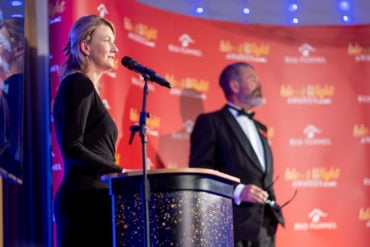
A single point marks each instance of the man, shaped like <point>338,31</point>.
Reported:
<point>231,141</point>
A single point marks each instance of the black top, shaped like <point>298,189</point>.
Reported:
<point>11,126</point>
<point>85,130</point>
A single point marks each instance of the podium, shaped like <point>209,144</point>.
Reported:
<point>187,207</point>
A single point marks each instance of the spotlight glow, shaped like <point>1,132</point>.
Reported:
<point>293,7</point>
<point>295,20</point>
<point>346,18</point>
<point>16,3</point>
<point>200,10</point>
<point>246,11</point>
<point>344,5</point>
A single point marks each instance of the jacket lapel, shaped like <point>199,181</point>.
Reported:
<point>244,142</point>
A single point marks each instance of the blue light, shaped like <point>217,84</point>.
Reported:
<point>295,20</point>
<point>16,3</point>
<point>246,11</point>
<point>293,7</point>
<point>17,15</point>
<point>346,18</point>
<point>200,10</point>
<point>344,5</point>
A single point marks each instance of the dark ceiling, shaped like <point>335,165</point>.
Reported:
<point>277,12</point>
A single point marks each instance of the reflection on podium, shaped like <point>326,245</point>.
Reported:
<point>187,207</point>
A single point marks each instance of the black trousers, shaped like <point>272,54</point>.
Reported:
<point>266,236</point>
<point>84,219</point>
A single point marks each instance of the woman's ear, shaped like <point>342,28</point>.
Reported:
<point>19,49</point>
<point>84,47</point>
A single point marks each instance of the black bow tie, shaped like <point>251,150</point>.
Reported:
<point>242,112</point>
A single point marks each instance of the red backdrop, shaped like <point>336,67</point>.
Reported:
<point>316,81</point>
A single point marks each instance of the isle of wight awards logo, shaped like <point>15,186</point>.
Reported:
<point>140,32</point>
<point>364,215</point>
<point>310,94</point>
<point>245,51</point>
<point>362,132</point>
<point>55,11</point>
<point>315,177</point>
<point>359,52</point>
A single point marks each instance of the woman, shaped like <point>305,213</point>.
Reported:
<point>86,134</point>
<point>11,69</point>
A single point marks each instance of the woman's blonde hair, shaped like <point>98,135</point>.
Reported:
<point>82,29</point>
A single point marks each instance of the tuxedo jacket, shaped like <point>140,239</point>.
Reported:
<point>218,142</point>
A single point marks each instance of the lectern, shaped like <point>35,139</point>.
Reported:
<point>187,207</point>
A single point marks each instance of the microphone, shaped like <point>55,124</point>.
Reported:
<point>131,64</point>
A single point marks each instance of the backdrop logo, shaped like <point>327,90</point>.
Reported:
<point>189,86</point>
<point>139,82</point>
<point>306,56</point>
<point>247,51</point>
<point>140,32</point>
<point>187,126</point>
<point>55,9</point>
<point>56,167</point>
<point>311,139</point>
<point>306,49</point>
<point>363,98</point>
<point>318,221</point>
<point>366,181</point>
<point>153,122</point>
<point>364,215</point>
<point>362,132</point>
<point>313,178</point>
<point>308,95</point>
<point>102,9</point>
<point>185,40</point>
<point>270,133</point>
<point>54,68</point>
<point>360,53</point>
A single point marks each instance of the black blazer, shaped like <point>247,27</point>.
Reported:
<point>218,142</point>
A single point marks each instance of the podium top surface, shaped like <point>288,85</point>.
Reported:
<point>195,171</point>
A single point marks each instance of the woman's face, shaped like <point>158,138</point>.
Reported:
<point>101,50</point>
<point>5,50</point>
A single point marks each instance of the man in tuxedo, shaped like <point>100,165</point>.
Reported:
<point>232,141</point>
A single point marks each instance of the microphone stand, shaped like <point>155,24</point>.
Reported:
<point>145,188</point>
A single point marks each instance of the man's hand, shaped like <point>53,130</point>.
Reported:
<point>254,194</point>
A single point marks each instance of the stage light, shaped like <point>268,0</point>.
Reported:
<point>293,7</point>
<point>200,10</point>
<point>295,20</point>
<point>246,11</point>
<point>17,15</point>
<point>344,5</point>
<point>16,3</point>
<point>346,18</point>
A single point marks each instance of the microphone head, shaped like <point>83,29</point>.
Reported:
<point>128,62</point>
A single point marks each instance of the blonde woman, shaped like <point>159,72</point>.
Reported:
<point>86,134</point>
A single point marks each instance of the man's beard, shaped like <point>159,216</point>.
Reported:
<point>256,101</point>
